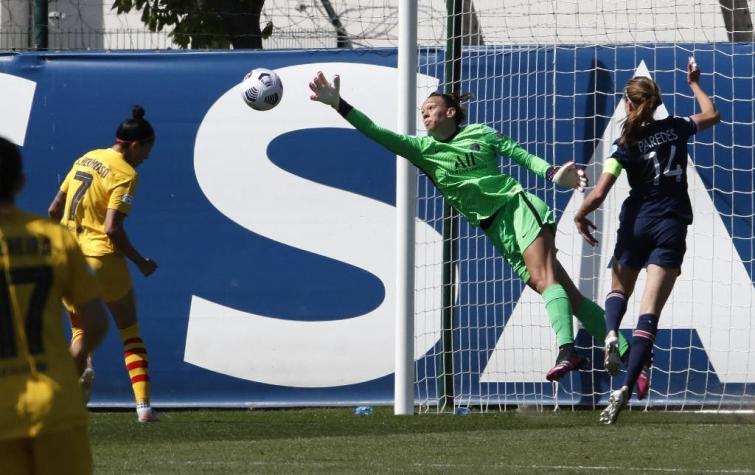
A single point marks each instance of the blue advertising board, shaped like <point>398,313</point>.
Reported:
<point>274,231</point>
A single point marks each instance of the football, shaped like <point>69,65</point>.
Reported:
<point>261,89</point>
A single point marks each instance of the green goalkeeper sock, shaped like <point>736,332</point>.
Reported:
<point>558,307</point>
<point>593,319</point>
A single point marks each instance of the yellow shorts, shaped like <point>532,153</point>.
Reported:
<point>59,452</point>
<point>111,273</point>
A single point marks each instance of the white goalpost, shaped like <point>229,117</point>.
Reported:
<point>550,75</point>
<point>405,213</point>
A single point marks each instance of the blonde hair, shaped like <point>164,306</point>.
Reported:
<point>645,96</point>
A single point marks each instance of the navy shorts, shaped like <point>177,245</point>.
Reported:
<point>659,240</point>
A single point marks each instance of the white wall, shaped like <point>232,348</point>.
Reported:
<point>81,24</point>
<point>14,21</point>
<point>520,21</point>
<point>373,23</point>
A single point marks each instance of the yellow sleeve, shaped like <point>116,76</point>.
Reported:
<point>66,182</point>
<point>122,195</point>
<point>81,286</point>
<point>612,166</point>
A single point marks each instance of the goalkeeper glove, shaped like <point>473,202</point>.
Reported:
<point>325,92</point>
<point>568,175</point>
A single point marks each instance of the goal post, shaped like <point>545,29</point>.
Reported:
<point>405,212</point>
<point>550,75</point>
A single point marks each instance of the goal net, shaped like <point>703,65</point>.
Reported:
<point>550,74</point>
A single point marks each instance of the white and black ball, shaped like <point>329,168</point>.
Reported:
<point>261,89</point>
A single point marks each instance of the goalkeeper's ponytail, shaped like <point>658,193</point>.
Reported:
<point>455,100</point>
<point>645,97</point>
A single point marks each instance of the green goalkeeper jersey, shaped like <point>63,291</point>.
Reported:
<point>464,168</point>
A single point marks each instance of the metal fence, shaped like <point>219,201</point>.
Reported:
<point>88,39</point>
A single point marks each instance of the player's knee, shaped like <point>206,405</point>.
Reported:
<point>541,281</point>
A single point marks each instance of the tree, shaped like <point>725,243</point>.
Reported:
<point>203,23</point>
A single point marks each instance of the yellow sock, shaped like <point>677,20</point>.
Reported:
<point>135,356</point>
<point>76,327</point>
<point>76,334</point>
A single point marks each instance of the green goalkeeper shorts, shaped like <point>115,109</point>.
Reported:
<point>516,226</point>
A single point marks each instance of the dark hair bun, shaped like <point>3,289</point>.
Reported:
<point>137,112</point>
<point>460,98</point>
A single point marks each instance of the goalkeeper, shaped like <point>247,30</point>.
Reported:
<point>462,162</point>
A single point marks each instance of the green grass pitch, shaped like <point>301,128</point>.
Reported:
<point>336,441</point>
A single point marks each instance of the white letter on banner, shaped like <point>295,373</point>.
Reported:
<point>714,294</point>
<point>17,97</point>
<point>303,353</point>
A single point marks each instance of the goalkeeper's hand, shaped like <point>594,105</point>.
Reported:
<point>568,175</point>
<point>325,92</point>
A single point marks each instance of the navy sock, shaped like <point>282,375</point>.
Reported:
<point>616,307</point>
<point>642,346</point>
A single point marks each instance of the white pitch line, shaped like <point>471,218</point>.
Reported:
<point>595,467</point>
<point>725,411</point>
<point>636,469</point>
<point>602,468</point>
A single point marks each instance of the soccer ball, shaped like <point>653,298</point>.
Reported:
<point>261,89</point>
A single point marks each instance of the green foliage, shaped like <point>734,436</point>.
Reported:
<point>201,24</point>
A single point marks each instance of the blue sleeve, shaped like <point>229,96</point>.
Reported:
<point>685,127</point>
<point>619,152</point>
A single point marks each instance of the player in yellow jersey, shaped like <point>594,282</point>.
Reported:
<point>93,202</point>
<point>43,420</point>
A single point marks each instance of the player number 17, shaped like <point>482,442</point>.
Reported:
<point>40,280</point>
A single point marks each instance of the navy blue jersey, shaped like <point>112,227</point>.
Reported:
<point>656,167</point>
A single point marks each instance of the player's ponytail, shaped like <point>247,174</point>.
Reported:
<point>645,96</point>
<point>455,100</point>
<point>135,129</point>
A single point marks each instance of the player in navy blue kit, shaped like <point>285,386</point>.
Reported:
<point>653,221</point>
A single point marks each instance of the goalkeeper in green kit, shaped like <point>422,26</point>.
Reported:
<point>462,162</point>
